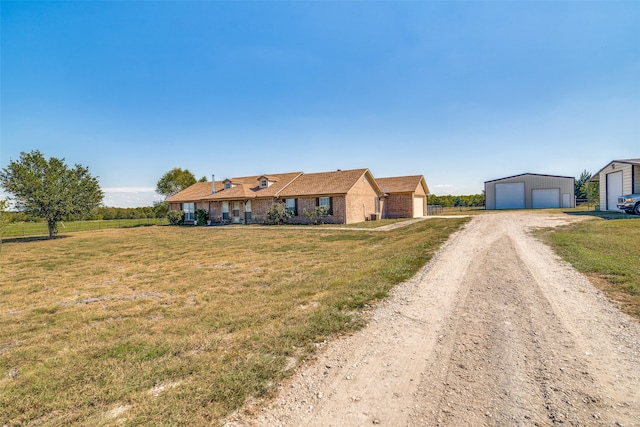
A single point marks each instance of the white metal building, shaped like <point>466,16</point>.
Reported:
<point>617,178</point>
<point>530,191</point>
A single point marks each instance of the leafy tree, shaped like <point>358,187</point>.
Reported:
<point>592,192</point>
<point>175,181</point>
<point>49,189</point>
<point>580,187</point>
<point>160,209</point>
<point>5,217</point>
<point>203,179</point>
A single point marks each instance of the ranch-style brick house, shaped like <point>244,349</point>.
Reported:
<point>350,196</point>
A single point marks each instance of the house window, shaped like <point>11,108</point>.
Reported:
<point>189,211</point>
<point>225,211</point>
<point>291,206</point>
<point>227,185</point>
<point>247,211</point>
<point>264,183</point>
<point>325,202</point>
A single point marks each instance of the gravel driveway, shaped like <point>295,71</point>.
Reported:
<point>496,330</point>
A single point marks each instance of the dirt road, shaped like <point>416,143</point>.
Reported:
<point>496,330</point>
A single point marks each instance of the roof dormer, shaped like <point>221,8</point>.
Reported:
<point>228,184</point>
<point>265,181</point>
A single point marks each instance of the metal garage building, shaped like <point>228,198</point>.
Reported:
<point>530,191</point>
<point>617,178</point>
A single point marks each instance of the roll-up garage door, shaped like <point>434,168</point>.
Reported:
<point>546,198</point>
<point>510,195</point>
<point>614,190</point>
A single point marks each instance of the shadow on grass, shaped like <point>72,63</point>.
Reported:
<point>28,239</point>
<point>603,214</point>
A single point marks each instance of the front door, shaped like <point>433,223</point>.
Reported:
<point>247,212</point>
<point>235,212</point>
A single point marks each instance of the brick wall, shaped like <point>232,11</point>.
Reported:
<point>215,211</point>
<point>399,206</point>
<point>309,203</point>
<point>259,209</point>
<point>360,201</point>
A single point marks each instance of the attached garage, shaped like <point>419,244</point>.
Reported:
<point>530,191</point>
<point>404,196</point>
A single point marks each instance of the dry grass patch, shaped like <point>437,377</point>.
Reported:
<point>369,224</point>
<point>179,326</point>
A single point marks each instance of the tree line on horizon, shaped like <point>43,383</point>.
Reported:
<point>449,201</point>
<point>102,213</point>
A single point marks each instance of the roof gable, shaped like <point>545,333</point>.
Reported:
<point>530,174</point>
<point>403,184</point>
<point>195,192</point>
<point>326,183</point>
<point>596,176</point>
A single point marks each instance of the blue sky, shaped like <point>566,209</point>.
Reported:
<point>461,92</point>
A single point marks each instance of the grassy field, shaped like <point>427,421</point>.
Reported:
<point>180,325</point>
<point>607,251</point>
<point>27,229</point>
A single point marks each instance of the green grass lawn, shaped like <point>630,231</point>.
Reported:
<point>180,325</point>
<point>27,229</point>
<point>608,251</point>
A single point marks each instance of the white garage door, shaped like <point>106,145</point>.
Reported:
<point>547,198</point>
<point>418,207</point>
<point>510,195</point>
<point>614,190</point>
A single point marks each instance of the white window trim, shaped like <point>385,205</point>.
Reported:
<point>189,210</point>
<point>225,210</point>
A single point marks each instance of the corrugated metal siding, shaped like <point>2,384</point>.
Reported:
<point>627,183</point>
<point>627,176</point>
<point>490,195</point>
<point>532,182</point>
<point>636,176</point>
